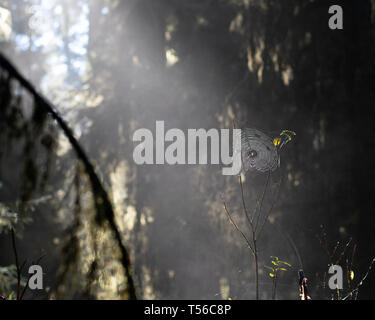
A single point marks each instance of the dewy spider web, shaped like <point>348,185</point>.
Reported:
<point>258,151</point>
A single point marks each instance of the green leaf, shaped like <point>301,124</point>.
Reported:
<point>12,296</point>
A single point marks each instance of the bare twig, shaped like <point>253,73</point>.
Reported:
<point>254,240</point>
<point>249,219</point>
<point>343,252</point>
<point>260,203</point>
<point>252,244</point>
<point>19,295</point>
<point>237,228</point>
<point>349,268</point>
<point>30,275</point>
<point>356,290</point>
<point>17,264</point>
<point>257,214</point>
<point>272,206</point>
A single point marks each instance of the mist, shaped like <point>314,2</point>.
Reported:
<point>109,68</point>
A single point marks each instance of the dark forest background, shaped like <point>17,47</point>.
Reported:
<point>110,67</point>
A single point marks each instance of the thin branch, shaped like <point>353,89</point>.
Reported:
<point>23,265</point>
<point>237,228</point>
<point>272,206</point>
<point>353,253</point>
<point>30,275</point>
<point>350,266</point>
<point>17,264</point>
<point>361,282</point>
<point>343,252</point>
<point>249,220</point>
<point>20,268</point>
<point>260,203</point>
<point>324,247</point>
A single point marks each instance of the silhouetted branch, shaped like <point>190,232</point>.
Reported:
<point>272,206</point>
<point>102,202</point>
<point>19,295</point>
<point>249,219</point>
<point>237,228</point>
<point>17,264</point>
<point>260,203</point>
<point>28,278</point>
<point>254,227</point>
<point>361,282</point>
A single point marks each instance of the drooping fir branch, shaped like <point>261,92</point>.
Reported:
<point>102,203</point>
